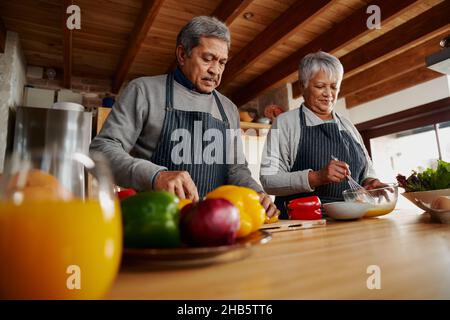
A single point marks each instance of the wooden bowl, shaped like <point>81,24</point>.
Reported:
<point>245,116</point>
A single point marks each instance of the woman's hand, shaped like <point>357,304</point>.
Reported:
<point>371,183</point>
<point>334,172</point>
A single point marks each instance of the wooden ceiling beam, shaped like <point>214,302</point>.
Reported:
<point>287,24</point>
<point>416,30</point>
<point>142,27</point>
<point>438,106</point>
<point>2,37</point>
<point>405,62</point>
<point>392,85</point>
<point>421,28</point>
<point>67,47</point>
<point>227,11</point>
<point>337,37</point>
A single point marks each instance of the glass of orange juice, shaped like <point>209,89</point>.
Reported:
<point>60,226</point>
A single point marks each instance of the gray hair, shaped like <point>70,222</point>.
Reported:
<point>320,61</point>
<point>202,26</point>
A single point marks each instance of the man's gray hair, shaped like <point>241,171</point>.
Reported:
<point>202,26</point>
<point>320,61</point>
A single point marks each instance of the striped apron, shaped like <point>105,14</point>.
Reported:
<point>206,173</point>
<point>316,146</point>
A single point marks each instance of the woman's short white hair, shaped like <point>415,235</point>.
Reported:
<point>320,61</point>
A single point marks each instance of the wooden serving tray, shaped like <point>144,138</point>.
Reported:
<point>290,225</point>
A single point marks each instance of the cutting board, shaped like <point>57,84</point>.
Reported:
<point>290,225</point>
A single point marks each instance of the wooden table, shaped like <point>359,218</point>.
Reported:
<point>324,263</point>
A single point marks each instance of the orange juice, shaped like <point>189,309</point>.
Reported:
<point>379,210</point>
<point>58,250</point>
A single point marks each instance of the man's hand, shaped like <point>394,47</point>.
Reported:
<point>334,171</point>
<point>177,182</point>
<point>269,206</point>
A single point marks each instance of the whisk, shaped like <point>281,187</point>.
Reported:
<point>353,184</point>
<point>361,192</point>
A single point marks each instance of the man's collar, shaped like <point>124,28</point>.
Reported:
<point>184,81</point>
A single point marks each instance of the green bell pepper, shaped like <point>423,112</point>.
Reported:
<point>151,220</point>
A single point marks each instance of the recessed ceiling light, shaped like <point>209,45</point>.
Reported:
<point>248,15</point>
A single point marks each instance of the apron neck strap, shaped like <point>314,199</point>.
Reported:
<point>220,106</point>
<point>169,91</point>
<point>302,116</point>
<point>169,98</point>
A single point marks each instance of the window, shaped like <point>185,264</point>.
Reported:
<point>414,149</point>
<point>444,140</point>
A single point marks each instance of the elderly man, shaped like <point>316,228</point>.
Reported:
<point>158,131</point>
<point>315,148</point>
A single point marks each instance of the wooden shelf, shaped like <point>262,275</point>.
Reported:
<point>260,128</point>
<point>102,114</point>
<point>254,125</point>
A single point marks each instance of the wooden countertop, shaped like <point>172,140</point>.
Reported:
<point>324,263</point>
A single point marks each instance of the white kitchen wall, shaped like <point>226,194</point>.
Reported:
<point>12,81</point>
<point>420,94</point>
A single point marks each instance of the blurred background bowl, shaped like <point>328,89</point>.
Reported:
<point>429,201</point>
<point>346,210</point>
<point>248,115</point>
<point>382,200</point>
<point>263,120</point>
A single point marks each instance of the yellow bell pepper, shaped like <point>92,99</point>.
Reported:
<point>272,219</point>
<point>183,202</point>
<point>252,213</point>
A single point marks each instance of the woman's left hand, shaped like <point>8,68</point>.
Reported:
<point>371,183</point>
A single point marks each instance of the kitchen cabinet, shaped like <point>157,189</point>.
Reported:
<point>102,114</point>
<point>38,98</point>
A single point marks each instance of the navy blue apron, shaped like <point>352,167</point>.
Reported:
<point>316,146</point>
<point>205,172</point>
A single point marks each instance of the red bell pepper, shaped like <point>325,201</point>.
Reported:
<point>308,208</point>
<point>125,193</point>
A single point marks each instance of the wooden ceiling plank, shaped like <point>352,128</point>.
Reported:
<point>227,11</point>
<point>401,82</point>
<point>341,34</point>
<point>398,65</point>
<point>67,47</point>
<point>437,106</point>
<point>138,35</point>
<point>288,23</point>
<point>432,23</point>
<point>406,34</point>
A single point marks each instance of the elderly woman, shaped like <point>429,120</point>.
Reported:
<point>311,150</point>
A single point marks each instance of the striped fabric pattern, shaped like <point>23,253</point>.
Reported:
<point>316,145</point>
<point>208,170</point>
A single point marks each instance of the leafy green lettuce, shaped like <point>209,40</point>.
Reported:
<point>427,180</point>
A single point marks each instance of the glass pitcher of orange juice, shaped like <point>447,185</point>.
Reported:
<point>60,227</point>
